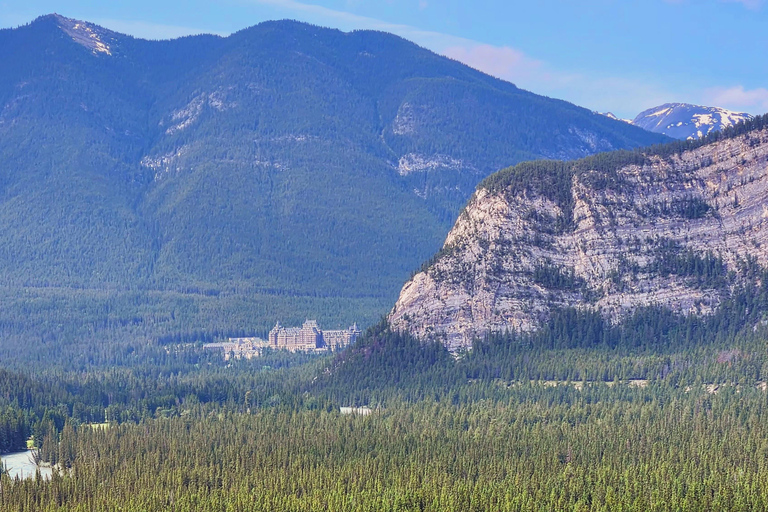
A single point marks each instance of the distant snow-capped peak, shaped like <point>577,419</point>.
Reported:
<point>611,115</point>
<point>686,121</point>
<point>89,35</point>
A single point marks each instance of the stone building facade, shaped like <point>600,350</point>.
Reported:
<point>309,337</point>
<point>239,348</point>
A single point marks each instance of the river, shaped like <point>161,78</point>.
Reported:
<point>22,465</point>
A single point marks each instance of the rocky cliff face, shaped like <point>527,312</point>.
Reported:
<point>679,229</point>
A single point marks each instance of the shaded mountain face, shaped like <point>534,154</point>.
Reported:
<point>284,171</point>
<point>680,227</point>
<point>684,121</point>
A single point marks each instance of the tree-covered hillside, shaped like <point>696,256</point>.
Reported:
<point>657,413</point>
<point>189,188</point>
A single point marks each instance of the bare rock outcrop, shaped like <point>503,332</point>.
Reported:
<point>678,229</point>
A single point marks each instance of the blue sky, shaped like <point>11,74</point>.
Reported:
<point>608,55</point>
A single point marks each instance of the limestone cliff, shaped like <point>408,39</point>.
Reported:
<point>677,226</point>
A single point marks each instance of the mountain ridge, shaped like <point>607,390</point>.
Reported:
<point>677,226</point>
<point>277,170</point>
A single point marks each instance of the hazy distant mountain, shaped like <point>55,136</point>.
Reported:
<point>213,184</point>
<point>684,121</point>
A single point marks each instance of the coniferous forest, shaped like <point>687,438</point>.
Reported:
<point>659,412</point>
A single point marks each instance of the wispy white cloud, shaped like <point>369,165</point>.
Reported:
<point>344,20</point>
<point>500,61</point>
<point>620,95</point>
<point>754,101</point>
<point>753,5</point>
<point>623,96</point>
<point>324,12</point>
<point>749,4</point>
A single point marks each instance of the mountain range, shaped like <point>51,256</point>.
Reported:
<point>182,189</point>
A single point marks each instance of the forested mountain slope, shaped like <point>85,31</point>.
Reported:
<point>681,227</point>
<point>208,184</point>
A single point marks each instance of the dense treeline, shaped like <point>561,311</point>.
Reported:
<point>14,429</point>
<point>532,448</point>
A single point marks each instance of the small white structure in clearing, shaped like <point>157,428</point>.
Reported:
<point>357,411</point>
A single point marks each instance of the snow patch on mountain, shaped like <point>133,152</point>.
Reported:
<point>91,36</point>
<point>685,121</point>
<point>660,112</point>
<point>611,115</point>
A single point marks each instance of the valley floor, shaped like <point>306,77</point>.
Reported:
<point>516,424</point>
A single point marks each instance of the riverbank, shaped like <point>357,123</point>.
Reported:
<point>22,465</point>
